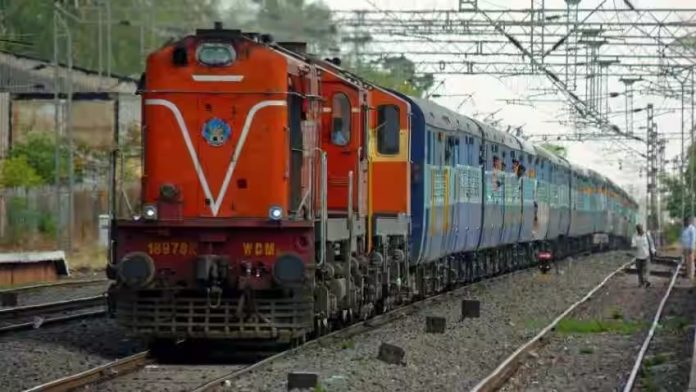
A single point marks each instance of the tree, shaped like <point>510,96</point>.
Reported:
<point>288,20</point>
<point>397,74</point>
<point>556,149</point>
<point>160,20</point>
<point>677,188</point>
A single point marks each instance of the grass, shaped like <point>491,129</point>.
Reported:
<point>646,372</point>
<point>88,258</point>
<point>677,323</point>
<point>616,314</point>
<point>320,388</point>
<point>586,350</point>
<point>571,326</point>
<point>348,344</point>
<point>654,360</point>
<point>646,381</point>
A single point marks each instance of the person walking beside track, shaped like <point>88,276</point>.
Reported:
<point>688,240</point>
<point>644,247</point>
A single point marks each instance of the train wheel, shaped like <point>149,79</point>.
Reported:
<point>321,326</point>
<point>298,341</point>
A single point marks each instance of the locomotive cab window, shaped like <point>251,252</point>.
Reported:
<point>388,127</point>
<point>215,54</point>
<point>340,120</point>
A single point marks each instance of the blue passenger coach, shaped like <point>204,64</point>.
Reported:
<point>485,201</point>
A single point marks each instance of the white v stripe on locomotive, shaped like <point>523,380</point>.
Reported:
<point>217,201</point>
<point>217,78</point>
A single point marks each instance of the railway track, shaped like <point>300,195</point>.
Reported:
<point>508,367</point>
<point>65,283</point>
<point>113,375</point>
<point>33,316</point>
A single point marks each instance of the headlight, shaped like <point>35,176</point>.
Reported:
<point>150,212</point>
<point>215,54</point>
<point>275,213</point>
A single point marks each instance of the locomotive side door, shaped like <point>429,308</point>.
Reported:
<point>342,134</point>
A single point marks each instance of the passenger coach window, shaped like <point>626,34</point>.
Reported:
<point>340,120</point>
<point>388,127</point>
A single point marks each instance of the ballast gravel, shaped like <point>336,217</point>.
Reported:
<point>513,310</point>
<point>38,356</point>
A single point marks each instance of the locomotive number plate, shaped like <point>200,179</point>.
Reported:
<point>174,248</point>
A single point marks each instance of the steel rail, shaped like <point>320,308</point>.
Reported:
<point>52,320</point>
<point>100,373</point>
<point>51,307</point>
<point>506,369</point>
<point>644,348</point>
<point>52,284</point>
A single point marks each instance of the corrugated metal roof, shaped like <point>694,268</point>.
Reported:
<point>24,74</point>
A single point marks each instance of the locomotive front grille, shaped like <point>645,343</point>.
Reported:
<point>281,319</point>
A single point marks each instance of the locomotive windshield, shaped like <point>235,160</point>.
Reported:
<point>215,55</point>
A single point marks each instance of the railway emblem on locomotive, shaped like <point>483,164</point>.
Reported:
<point>216,132</point>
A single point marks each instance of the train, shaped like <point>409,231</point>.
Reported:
<point>283,196</point>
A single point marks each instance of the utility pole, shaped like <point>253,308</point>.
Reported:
<point>691,149</point>
<point>684,159</point>
<point>63,129</point>
<point>108,38</point>
<point>100,41</point>
<point>653,223</point>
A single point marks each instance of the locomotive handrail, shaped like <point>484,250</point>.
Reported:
<point>350,238</point>
<point>324,209</point>
<point>229,92</point>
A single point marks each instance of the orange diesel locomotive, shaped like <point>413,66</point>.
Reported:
<point>225,244</point>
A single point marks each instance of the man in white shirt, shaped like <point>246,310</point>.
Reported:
<point>688,240</point>
<point>644,248</point>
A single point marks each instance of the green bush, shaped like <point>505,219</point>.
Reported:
<point>672,232</point>
<point>39,149</point>
<point>21,219</point>
<point>47,224</point>
<point>18,172</point>
<point>25,221</point>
